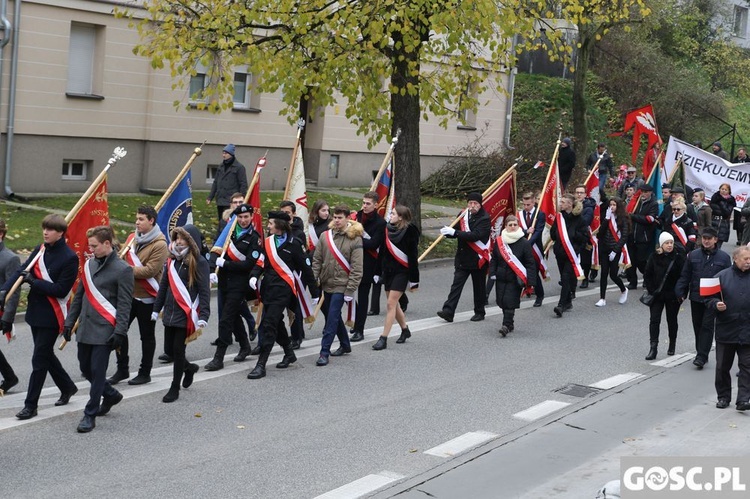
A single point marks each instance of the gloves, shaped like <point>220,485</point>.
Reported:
<point>116,341</point>
<point>67,333</point>
<point>6,326</point>
<point>347,298</point>
<point>315,301</point>
<point>253,283</point>
<point>213,278</point>
<point>28,277</point>
<point>201,324</point>
<point>220,262</point>
<point>612,256</point>
<point>154,316</point>
<point>3,294</point>
<point>376,279</point>
<point>493,277</point>
<point>365,235</point>
<point>413,285</point>
<point>447,231</point>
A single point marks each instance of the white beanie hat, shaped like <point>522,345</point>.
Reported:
<point>664,237</point>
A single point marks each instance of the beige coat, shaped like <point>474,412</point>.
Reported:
<point>328,272</point>
<point>152,256</point>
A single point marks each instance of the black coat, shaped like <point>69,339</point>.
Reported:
<point>687,226</point>
<point>375,228</point>
<point>409,244</point>
<point>230,178</point>
<point>700,263</point>
<point>645,221</point>
<point>606,166</point>
<point>656,269</point>
<point>173,315</point>
<point>298,231</point>
<point>733,325</point>
<point>234,275</point>
<point>507,285</point>
<point>566,162</point>
<point>578,233</point>
<point>479,231</point>
<point>274,290</point>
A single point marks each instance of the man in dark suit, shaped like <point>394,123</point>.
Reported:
<point>533,229</point>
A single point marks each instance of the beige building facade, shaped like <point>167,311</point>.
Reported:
<point>80,92</point>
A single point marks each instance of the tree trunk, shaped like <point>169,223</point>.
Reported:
<point>406,116</point>
<point>580,128</point>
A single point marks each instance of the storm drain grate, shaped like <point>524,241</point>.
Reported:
<point>577,390</point>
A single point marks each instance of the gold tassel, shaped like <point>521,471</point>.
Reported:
<point>196,334</point>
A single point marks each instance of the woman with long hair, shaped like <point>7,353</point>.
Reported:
<point>663,269</point>
<point>399,270</point>
<point>184,297</point>
<point>320,217</point>
<point>613,234</point>
<point>722,207</point>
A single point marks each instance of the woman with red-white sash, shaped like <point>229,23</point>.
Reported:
<point>681,227</point>
<point>183,299</point>
<point>399,270</point>
<point>613,235</point>
<point>513,269</point>
<point>320,217</point>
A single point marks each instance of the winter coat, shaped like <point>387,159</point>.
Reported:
<point>656,269</point>
<point>372,240</point>
<point>606,166</point>
<point>327,270</point>
<point>274,290</point>
<point>113,278</point>
<point>409,244</point>
<point>721,211</point>
<point>479,231</point>
<point>704,215</point>
<point>234,275</point>
<point>733,324</point>
<point>298,231</point>
<point>152,256</point>
<point>587,210</point>
<point>700,263</point>
<point>507,283</point>
<point>566,162</point>
<point>9,264</point>
<point>578,232</point>
<point>688,228</point>
<point>606,238</point>
<point>645,221</point>
<point>230,178</point>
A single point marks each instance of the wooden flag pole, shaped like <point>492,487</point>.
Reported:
<point>295,152</point>
<point>311,319</point>
<point>549,173</point>
<point>485,193</point>
<point>674,168</point>
<point>386,160</point>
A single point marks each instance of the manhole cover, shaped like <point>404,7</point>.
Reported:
<point>577,390</point>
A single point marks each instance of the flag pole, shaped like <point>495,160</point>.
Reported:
<point>486,192</point>
<point>386,160</point>
<point>549,173</point>
<point>295,152</point>
<point>311,319</point>
<point>674,168</point>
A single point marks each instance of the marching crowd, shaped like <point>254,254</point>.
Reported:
<point>340,266</point>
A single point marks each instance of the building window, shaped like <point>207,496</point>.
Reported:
<point>243,96</point>
<point>85,60</point>
<point>466,117</point>
<point>243,83</point>
<point>211,173</point>
<point>333,166</point>
<point>740,21</point>
<point>198,84</point>
<point>74,169</point>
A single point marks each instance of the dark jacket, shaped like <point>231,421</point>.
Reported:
<point>606,166</point>
<point>507,285</point>
<point>274,289</point>
<point>704,216</point>
<point>645,221</point>
<point>721,212</point>
<point>234,275</point>
<point>587,210</point>
<point>172,313</point>
<point>62,265</point>
<point>656,269</point>
<point>230,177</point>
<point>541,221</point>
<point>114,280</point>
<point>578,232</point>
<point>9,264</point>
<point>733,324</point>
<point>374,228</point>
<point>409,244</point>
<point>566,162</point>
<point>700,263</point>
<point>479,231</point>
<point>688,228</point>
<point>298,231</point>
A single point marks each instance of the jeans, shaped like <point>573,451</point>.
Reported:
<point>332,305</point>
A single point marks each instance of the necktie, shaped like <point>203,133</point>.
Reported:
<point>528,218</point>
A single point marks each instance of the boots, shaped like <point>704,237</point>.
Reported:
<point>143,377</point>
<point>405,334</point>
<point>245,349</point>
<point>218,361</point>
<point>289,358</point>
<point>119,375</point>
<point>173,393</point>
<point>381,344</point>
<point>190,371</point>
<point>652,352</point>
<point>259,371</point>
<point>672,344</point>
<point>9,377</point>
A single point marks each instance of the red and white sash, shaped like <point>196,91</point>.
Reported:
<point>182,297</point>
<point>303,297</point>
<point>351,311</point>
<point>481,248</point>
<point>541,262</point>
<point>512,260</point>
<point>59,305</point>
<point>313,239</point>
<point>395,251</point>
<point>615,231</point>
<point>595,263</point>
<point>95,297</point>
<point>680,233</point>
<point>278,264</point>
<point>235,254</point>
<point>150,285</point>
<point>562,230</point>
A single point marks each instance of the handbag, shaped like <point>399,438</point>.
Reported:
<point>647,298</point>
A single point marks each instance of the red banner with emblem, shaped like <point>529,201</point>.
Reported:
<point>93,212</point>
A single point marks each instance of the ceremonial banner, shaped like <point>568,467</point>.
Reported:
<point>254,199</point>
<point>550,200</point>
<point>386,191</point>
<point>93,212</point>
<point>501,201</point>
<point>644,121</point>
<point>177,210</point>
<point>296,190</point>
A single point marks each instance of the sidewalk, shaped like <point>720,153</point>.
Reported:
<point>572,453</point>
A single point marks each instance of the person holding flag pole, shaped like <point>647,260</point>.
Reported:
<point>570,233</point>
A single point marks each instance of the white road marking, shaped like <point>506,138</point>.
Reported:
<point>614,381</point>
<point>540,410</point>
<point>673,360</point>
<point>461,444</point>
<point>363,486</point>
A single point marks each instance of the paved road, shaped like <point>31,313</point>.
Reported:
<point>364,421</point>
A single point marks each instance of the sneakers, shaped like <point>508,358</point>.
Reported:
<point>623,297</point>
<point>602,303</point>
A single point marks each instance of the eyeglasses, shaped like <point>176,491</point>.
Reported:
<point>676,209</point>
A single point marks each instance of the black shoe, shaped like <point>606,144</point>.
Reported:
<point>255,351</point>
<point>167,358</point>
<point>257,372</point>
<point>699,363</point>
<point>671,348</point>
<point>217,363</point>
<point>722,404</point>
<point>213,344</point>
<point>633,286</point>
<point>108,403</point>
<point>652,352</point>
<point>358,336</point>
<point>26,413</point>
<point>567,307</point>
<point>593,275</point>
<point>477,317</point>
<point>743,406</point>
<point>558,311</point>
<point>141,379</point>
<point>445,316</point>
<point>187,379</point>
<point>172,395</point>
<point>295,344</point>
<point>288,359</point>
<point>372,312</point>
<point>504,330</point>
<point>584,284</point>
<point>119,375</point>
<point>405,335</point>
<point>538,301</point>
<point>65,397</point>
<point>341,351</point>
<point>322,361</point>
<point>243,354</point>
<point>381,344</point>
<point>252,334</point>
<point>572,295</point>
<point>87,424</point>
<point>7,384</point>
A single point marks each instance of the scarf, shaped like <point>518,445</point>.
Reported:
<point>179,252</point>
<point>511,237</point>
<point>395,235</point>
<point>148,237</point>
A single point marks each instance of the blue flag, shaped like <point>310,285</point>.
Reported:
<point>222,239</point>
<point>178,209</point>
<point>654,180</point>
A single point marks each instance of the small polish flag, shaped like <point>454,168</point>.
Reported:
<point>710,286</point>
<point>538,164</point>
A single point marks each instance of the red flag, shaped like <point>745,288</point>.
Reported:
<point>539,164</point>
<point>254,199</point>
<point>551,194</point>
<point>710,286</point>
<point>653,156</point>
<point>644,121</point>
<point>501,201</point>
<point>592,191</point>
<point>93,212</point>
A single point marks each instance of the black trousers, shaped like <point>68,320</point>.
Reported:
<point>656,309</point>
<point>296,327</point>
<point>703,328</point>
<point>94,360</point>
<point>639,253</point>
<point>147,328</point>
<point>585,261</point>
<point>44,360</point>
<point>363,299</point>
<point>230,319</point>
<point>568,279</point>
<point>508,315</point>
<point>725,353</point>
<point>273,328</point>
<point>6,371</point>
<point>479,287</point>
<point>176,337</point>
<point>611,269</point>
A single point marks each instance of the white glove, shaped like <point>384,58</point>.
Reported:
<point>315,301</point>
<point>413,285</point>
<point>154,316</point>
<point>213,278</point>
<point>201,324</point>
<point>612,256</point>
<point>447,231</point>
<point>493,277</point>
<point>347,299</point>
<point>376,279</point>
<point>365,235</point>
<point>220,262</point>
<point>253,283</point>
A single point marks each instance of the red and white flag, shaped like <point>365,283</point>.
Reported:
<point>93,212</point>
<point>296,190</point>
<point>550,200</point>
<point>539,164</point>
<point>643,120</point>
<point>710,286</point>
<point>254,199</point>
<point>501,201</point>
